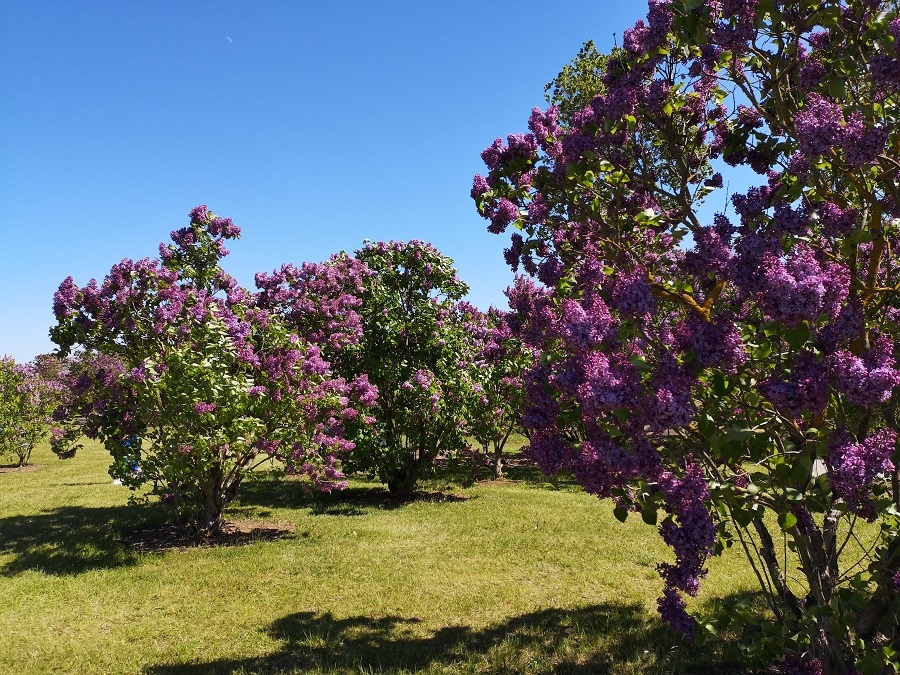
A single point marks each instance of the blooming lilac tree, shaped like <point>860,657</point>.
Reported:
<point>702,369</point>
<point>498,392</point>
<point>388,314</point>
<point>190,385</point>
<point>28,396</point>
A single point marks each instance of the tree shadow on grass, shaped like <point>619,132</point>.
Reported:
<point>584,641</point>
<point>73,539</point>
<point>267,492</point>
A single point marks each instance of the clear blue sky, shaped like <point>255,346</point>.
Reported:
<point>312,125</point>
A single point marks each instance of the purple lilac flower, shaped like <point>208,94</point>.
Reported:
<point>65,298</point>
<point>545,127</point>
<point>203,408</point>
<point>672,609</point>
<point>479,186</point>
<point>804,389</point>
<point>818,125</point>
<point>584,327</point>
<point>541,409</point>
<point>791,220</point>
<point>868,379</point>
<point>753,203</point>
<point>668,404</point>
<point>885,70</point>
<point>749,117</point>
<point>801,288</point>
<point>601,466</point>
<point>812,72</point>
<point>836,222</point>
<point>608,382</point>
<point>800,666</point>
<point>714,343</point>
<point>820,39</point>
<point>659,19</point>
<point>853,467</point>
<point>711,254</point>
<point>548,450</point>
<point>505,213</point>
<point>634,39</point>
<point>632,296</point>
<point>798,166</point>
<point>199,214</point>
<point>184,237</point>
<point>862,143</point>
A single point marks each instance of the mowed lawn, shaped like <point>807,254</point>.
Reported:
<point>516,576</point>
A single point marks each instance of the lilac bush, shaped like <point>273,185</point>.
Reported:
<point>190,384</point>
<point>29,393</point>
<point>498,392</point>
<point>698,368</point>
<point>388,314</point>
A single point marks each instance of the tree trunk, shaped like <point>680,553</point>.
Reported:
<point>214,497</point>
<point>210,519</point>
<point>498,463</point>
<point>402,482</point>
<point>818,558</point>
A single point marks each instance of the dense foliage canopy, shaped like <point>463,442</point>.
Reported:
<point>189,384</point>
<point>391,314</point>
<point>738,371</point>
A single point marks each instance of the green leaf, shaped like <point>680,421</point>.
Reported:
<point>837,88</point>
<point>787,521</point>
<point>860,237</point>
<point>639,363</point>
<point>797,337</point>
<point>620,513</point>
<point>742,517</point>
<point>649,515</point>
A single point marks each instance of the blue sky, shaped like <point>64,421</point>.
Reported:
<point>313,125</point>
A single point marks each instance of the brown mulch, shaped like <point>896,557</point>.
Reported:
<point>15,468</point>
<point>234,533</point>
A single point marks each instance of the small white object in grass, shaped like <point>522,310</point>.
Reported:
<point>116,481</point>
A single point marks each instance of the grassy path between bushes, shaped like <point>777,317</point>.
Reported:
<point>503,577</point>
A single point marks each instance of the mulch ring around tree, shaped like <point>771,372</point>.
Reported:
<point>168,537</point>
<point>15,468</point>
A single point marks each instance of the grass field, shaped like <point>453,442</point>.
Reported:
<point>503,577</point>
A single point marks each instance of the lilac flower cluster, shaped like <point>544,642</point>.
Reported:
<point>854,467</point>
<point>803,390</point>
<point>819,125</point>
<point>868,379</point>
<point>801,288</point>
<point>321,301</point>
<point>800,666</point>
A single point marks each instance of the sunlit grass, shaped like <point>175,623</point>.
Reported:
<point>510,577</point>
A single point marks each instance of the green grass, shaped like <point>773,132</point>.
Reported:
<point>512,577</point>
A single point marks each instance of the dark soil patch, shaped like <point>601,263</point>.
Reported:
<point>15,468</point>
<point>238,533</point>
<point>498,481</point>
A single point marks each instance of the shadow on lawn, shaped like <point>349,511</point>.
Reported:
<point>354,501</point>
<point>72,539</point>
<point>582,641</point>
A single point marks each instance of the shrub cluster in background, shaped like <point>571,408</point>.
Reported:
<point>393,313</point>
<point>29,393</point>
<point>367,363</point>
